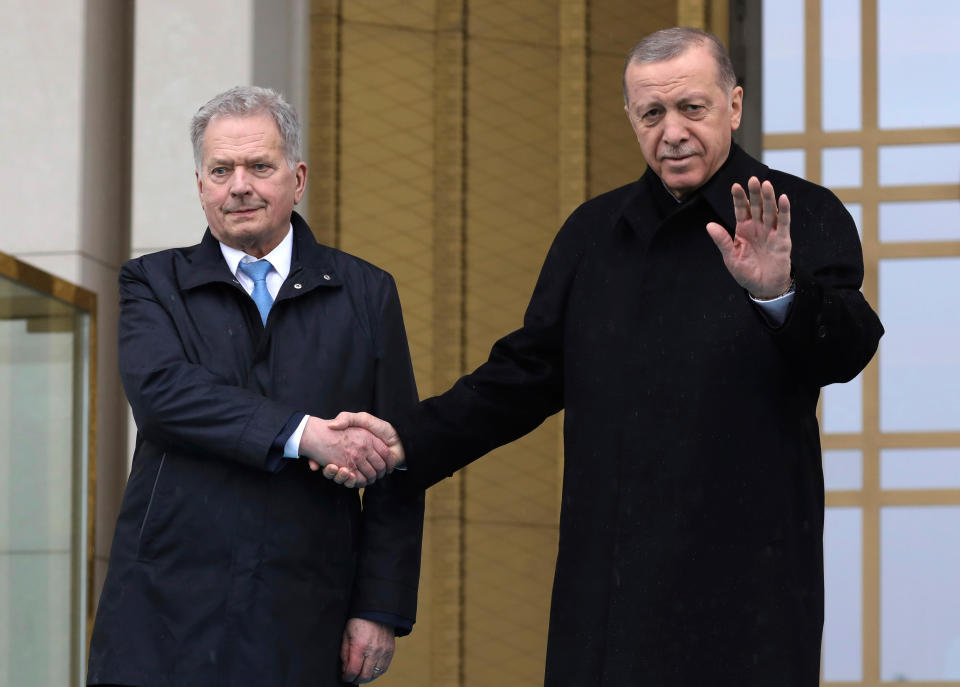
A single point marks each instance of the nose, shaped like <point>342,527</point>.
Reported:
<point>675,129</point>
<point>239,182</point>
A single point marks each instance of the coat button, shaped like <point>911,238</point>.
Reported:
<point>298,286</point>
<point>327,277</point>
<point>822,332</point>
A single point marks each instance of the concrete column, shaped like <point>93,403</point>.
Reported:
<point>66,124</point>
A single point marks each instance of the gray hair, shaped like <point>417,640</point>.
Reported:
<point>670,43</point>
<point>247,101</point>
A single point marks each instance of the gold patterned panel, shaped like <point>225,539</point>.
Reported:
<point>386,166</point>
<point>414,14</point>
<point>386,214</point>
<point>511,495</point>
<point>508,602</point>
<point>615,157</point>
<point>615,27</point>
<point>320,203</point>
<point>511,220</point>
<point>530,21</point>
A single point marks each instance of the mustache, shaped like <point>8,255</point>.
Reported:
<point>675,152</point>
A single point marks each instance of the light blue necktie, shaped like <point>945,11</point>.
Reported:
<point>261,294</point>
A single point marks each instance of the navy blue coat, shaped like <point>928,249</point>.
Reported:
<point>224,571</point>
<point>691,525</point>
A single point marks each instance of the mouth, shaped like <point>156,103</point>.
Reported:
<point>242,212</point>
<point>676,157</point>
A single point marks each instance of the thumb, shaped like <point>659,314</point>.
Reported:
<point>343,420</point>
<point>721,238</point>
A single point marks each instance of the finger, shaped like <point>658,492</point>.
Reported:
<point>741,206</point>
<point>783,223</point>
<point>343,476</point>
<point>399,458</point>
<point>381,428</point>
<point>352,657</point>
<point>721,238</point>
<point>379,464</point>
<point>365,469</point>
<point>756,202</point>
<point>314,465</point>
<point>769,205</point>
<point>329,471</point>
<point>385,455</point>
<point>341,421</point>
<point>370,670</point>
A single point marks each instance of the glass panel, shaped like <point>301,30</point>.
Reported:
<point>919,365</point>
<point>42,376</point>
<point>920,468</point>
<point>843,596</point>
<point>919,594</point>
<point>791,161</point>
<point>856,211</point>
<point>843,407</point>
<point>840,68</point>
<point>842,470</point>
<point>35,619</point>
<point>841,167</point>
<point>933,220</point>
<point>783,94</point>
<point>916,45</point>
<point>934,163</point>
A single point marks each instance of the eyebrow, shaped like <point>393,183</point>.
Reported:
<point>252,160</point>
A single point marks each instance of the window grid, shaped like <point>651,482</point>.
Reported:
<point>870,498</point>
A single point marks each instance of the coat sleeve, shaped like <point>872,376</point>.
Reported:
<point>516,389</point>
<point>178,403</point>
<point>831,332</point>
<point>388,572</point>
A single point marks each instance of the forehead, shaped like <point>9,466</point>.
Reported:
<point>230,134</point>
<point>693,70</point>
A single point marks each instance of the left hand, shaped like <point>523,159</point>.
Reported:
<point>758,255</point>
<point>366,650</point>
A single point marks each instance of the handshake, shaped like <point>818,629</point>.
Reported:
<point>353,449</point>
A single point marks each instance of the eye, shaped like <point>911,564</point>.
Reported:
<point>218,171</point>
<point>261,167</point>
<point>694,109</point>
<point>651,115</point>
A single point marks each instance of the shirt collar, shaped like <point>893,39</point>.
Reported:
<point>279,257</point>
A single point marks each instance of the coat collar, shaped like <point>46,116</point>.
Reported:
<point>311,264</point>
<point>642,210</point>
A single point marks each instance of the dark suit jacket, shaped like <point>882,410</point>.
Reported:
<point>692,508</point>
<point>223,571</point>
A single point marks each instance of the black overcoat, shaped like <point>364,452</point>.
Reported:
<point>224,572</point>
<point>692,512</point>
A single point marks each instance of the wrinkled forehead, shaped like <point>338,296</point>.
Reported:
<point>240,132</point>
<point>694,68</point>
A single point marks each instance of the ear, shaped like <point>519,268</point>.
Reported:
<point>736,107</point>
<point>199,186</point>
<point>633,124</point>
<point>300,173</point>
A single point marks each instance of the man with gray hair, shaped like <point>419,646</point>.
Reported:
<point>232,563</point>
<point>687,338</point>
